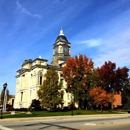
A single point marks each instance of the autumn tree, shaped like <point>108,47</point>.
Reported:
<point>112,79</point>
<point>100,97</point>
<point>77,74</point>
<point>122,78</point>
<point>49,93</point>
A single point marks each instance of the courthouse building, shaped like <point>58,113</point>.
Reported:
<point>31,75</point>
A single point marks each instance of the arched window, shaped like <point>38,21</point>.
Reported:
<point>40,78</point>
<point>60,49</point>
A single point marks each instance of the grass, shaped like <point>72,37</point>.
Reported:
<point>46,113</point>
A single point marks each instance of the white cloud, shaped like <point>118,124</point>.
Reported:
<point>116,49</point>
<point>91,42</point>
<point>24,10</point>
<point>120,57</point>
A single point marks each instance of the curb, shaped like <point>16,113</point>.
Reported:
<point>64,117</point>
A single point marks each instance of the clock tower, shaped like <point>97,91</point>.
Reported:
<point>61,49</point>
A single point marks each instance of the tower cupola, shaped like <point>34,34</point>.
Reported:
<point>61,49</point>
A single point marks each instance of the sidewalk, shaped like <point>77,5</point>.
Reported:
<point>66,117</point>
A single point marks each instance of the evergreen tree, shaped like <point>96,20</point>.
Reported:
<point>50,93</point>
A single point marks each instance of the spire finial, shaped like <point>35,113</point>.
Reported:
<point>61,31</point>
<point>40,57</point>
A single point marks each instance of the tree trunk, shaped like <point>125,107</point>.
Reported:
<point>112,96</point>
<point>101,108</point>
<point>79,104</point>
<point>112,105</point>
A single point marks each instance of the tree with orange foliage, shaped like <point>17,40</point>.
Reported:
<point>77,74</point>
<point>112,79</point>
<point>100,97</point>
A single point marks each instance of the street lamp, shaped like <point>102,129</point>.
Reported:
<point>4,99</point>
<point>72,103</point>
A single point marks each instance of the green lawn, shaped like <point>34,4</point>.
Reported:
<point>46,113</point>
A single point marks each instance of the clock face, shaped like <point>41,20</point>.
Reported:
<point>56,49</point>
<point>66,49</point>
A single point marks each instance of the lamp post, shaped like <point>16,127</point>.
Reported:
<point>4,99</point>
<point>72,103</point>
<point>1,113</point>
<point>1,107</point>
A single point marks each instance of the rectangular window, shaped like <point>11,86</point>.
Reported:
<point>61,80</point>
<point>21,96</point>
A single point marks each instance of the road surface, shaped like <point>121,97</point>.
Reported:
<point>103,123</point>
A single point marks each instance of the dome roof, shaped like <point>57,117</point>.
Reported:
<point>61,37</point>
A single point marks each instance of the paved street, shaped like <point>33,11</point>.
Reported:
<point>111,122</point>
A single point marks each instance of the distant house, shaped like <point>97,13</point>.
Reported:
<point>11,100</point>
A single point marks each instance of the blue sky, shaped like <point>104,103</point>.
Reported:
<point>99,29</point>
